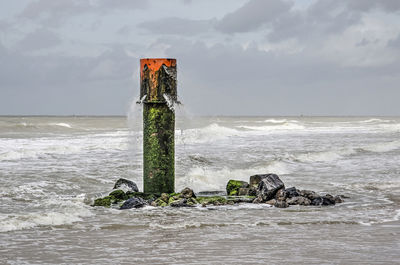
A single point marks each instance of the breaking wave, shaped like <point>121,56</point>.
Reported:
<point>211,132</point>
<point>206,179</point>
<point>67,212</point>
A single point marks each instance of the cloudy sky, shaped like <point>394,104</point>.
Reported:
<point>235,57</point>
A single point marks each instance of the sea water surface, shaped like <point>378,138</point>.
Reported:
<point>52,168</point>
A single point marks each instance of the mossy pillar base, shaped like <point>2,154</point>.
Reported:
<point>158,93</point>
<point>158,148</point>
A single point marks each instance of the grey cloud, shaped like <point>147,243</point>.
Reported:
<point>319,20</point>
<point>56,84</point>
<point>230,80</point>
<point>54,12</point>
<point>252,15</point>
<point>38,40</point>
<point>395,43</point>
<point>366,5</point>
<point>177,26</point>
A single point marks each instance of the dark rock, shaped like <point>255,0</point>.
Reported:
<point>268,186</point>
<point>281,204</point>
<point>233,186</point>
<point>309,194</point>
<point>255,179</point>
<point>316,201</point>
<point>133,203</point>
<point>292,192</point>
<point>126,185</point>
<point>253,191</point>
<point>244,191</point>
<point>211,193</point>
<point>258,199</point>
<point>119,195</point>
<point>280,195</point>
<point>271,202</point>
<point>328,200</point>
<point>187,193</point>
<point>338,199</point>
<point>299,200</point>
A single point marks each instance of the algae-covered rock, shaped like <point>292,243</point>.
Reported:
<point>215,200</point>
<point>133,203</point>
<point>119,195</point>
<point>233,186</point>
<point>105,202</point>
<point>126,185</point>
<point>187,193</point>
<point>146,196</point>
<point>180,203</point>
<point>164,197</point>
<point>160,203</point>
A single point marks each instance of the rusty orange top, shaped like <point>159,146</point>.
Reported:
<point>155,63</point>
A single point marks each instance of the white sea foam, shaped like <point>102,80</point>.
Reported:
<point>375,120</point>
<point>61,124</point>
<point>382,147</point>
<point>65,212</point>
<point>288,126</point>
<point>276,121</point>
<point>324,156</point>
<point>209,133</point>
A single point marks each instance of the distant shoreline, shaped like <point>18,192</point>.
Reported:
<point>208,116</point>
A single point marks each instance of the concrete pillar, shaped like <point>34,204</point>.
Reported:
<point>158,86</point>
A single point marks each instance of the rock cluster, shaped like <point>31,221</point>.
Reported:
<point>271,190</point>
<point>265,188</point>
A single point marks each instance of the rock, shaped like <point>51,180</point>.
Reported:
<point>298,200</point>
<point>187,193</point>
<point>119,195</point>
<point>338,199</point>
<point>154,204</point>
<point>268,186</point>
<point>233,186</point>
<point>316,201</point>
<point>280,195</point>
<point>244,191</point>
<point>180,203</point>
<point>212,200</point>
<point>271,202</point>
<point>160,203</point>
<point>133,203</point>
<point>105,202</point>
<point>258,199</point>
<point>126,185</point>
<point>309,194</point>
<point>281,204</point>
<point>328,200</point>
<point>253,191</point>
<point>164,197</point>
<point>292,192</point>
<point>149,197</point>
<point>255,179</point>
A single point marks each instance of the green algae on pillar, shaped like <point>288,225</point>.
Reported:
<point>158,92</point>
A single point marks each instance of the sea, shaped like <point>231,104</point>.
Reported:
<point>52,168</point>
